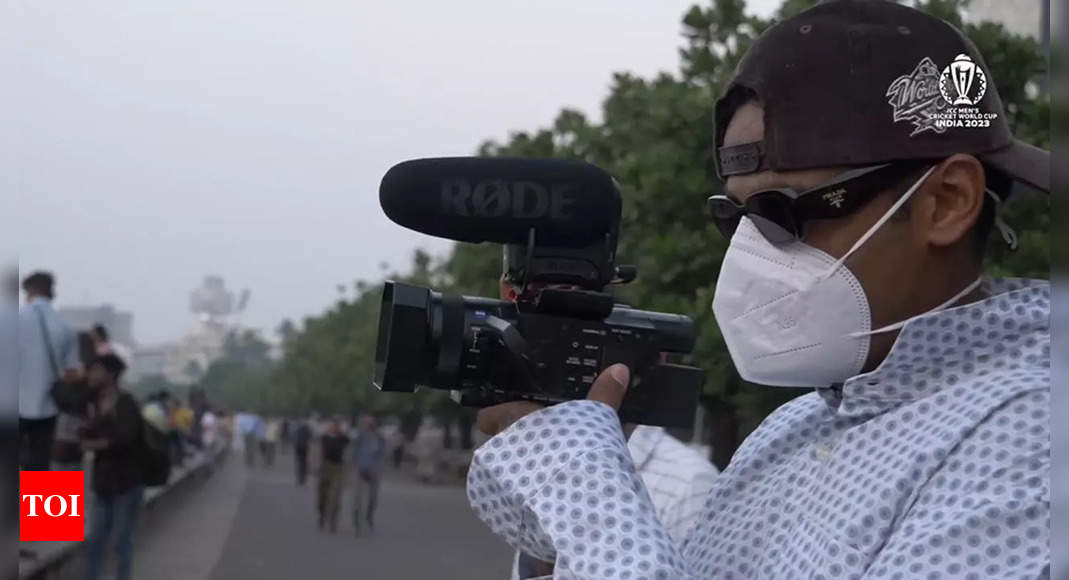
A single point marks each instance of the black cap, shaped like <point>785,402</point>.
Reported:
<point>863,82</point>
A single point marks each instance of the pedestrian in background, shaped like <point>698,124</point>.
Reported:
<point>67,452</point>
<point>272,432</point>
<point>101,343</point>
<point>369,456</point>
<point>302,438</point>
<point>47,353</point>
<point>113,433</point>
<point>285,435</point>
<point>183,416</point>
<point>247,425</point>
<point>208,428</point>
<point>175,423</point>
<point>331,474</point>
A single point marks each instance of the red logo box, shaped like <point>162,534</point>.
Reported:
<point>51,506</point>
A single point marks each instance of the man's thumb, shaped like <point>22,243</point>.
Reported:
<point>611,386</point>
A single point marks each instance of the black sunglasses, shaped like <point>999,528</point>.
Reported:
<point>780,214</point>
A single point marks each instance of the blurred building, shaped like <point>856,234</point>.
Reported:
<point>216,312</point>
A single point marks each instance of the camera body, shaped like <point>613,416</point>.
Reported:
<point>490,351</point>
<point>552,342</point>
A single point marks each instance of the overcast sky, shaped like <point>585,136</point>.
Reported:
<point>153,143</point>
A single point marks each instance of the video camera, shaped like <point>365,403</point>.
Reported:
<point>559,222</point>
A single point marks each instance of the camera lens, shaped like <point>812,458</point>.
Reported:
<point>429,339</point>
<point>402,351</point>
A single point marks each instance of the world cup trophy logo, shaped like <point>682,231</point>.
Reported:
<point>968,81</point>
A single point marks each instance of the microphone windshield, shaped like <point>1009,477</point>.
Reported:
<point>494,199</point>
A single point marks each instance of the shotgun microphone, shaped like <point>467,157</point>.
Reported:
<point>569,204</point>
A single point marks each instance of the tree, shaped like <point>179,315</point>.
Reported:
<point>238,379</point>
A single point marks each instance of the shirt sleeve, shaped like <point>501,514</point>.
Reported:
<point>560,485</point>
<point>986,513</point>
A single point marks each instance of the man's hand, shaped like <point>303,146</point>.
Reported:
<point>609,388</point>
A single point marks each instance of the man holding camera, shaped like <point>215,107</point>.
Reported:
<point>677,477</point>
<point>865,154</point>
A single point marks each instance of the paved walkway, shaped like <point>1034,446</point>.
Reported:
<point>174,543</point>
<point>258,524</point>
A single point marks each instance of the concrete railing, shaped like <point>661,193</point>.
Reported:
<point>50,558</point>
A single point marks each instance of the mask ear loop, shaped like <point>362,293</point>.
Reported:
<point>1008,235</point>
<point>879,223</point>
<point>950,302</point>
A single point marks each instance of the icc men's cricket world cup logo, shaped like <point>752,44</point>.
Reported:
<point>962,82</point>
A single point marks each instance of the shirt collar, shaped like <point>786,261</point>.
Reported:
<point>938,350</point>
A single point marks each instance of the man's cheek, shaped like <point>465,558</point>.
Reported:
<point>833,237</point>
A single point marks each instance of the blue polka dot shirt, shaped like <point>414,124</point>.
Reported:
<point>934,465</point>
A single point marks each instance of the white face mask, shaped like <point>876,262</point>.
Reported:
<point>794,316</point>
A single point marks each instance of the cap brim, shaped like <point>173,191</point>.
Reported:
<point>1022,162</point>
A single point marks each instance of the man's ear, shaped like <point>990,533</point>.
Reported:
<point>952,202</point>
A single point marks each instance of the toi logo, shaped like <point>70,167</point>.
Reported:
<point>51,506</point>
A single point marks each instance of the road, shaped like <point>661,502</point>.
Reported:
<point>258,524</point>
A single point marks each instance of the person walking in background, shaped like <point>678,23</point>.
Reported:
<point>246,425</point>
<point>208,428</point>
<point>331,474</point>
<point>113,433</point>
<point>285,435</point>
<point>302,438</point>
<point>198,404</point>
<point>67,452</point>
<point>154,411</point>
<point>369,456</point>
<point>272,432</point>
<point>174,431</point>
<point>184,419</point>
<point>47,353</point>
<point>225,428</point>
<point>261,438</point>
<point>99,335</point>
